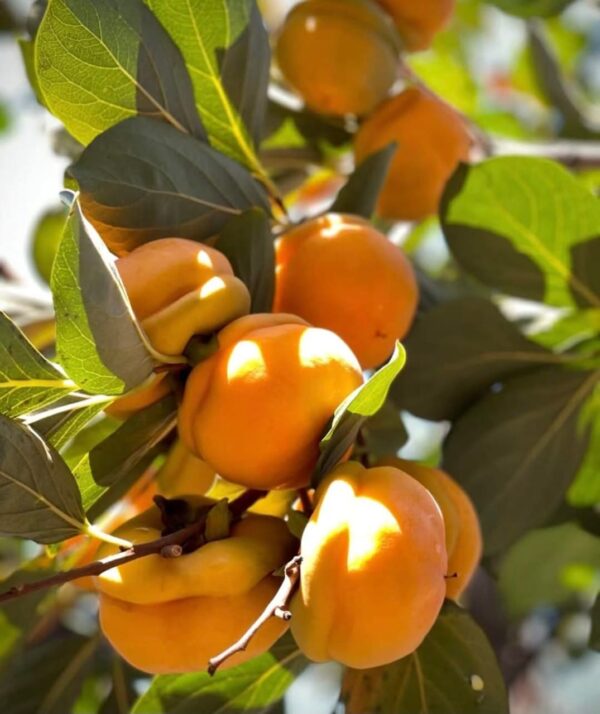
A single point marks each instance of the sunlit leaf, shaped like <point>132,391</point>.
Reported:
<point>27,380</point>
<point>352,413</point>
<point>526,227</point>
<point>101,61</point>
<point>98,341</point>
<point>252,687</point>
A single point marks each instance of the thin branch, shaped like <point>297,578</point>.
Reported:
<point>276,608</point>
<point>576,155</point>
<point>169,546</point>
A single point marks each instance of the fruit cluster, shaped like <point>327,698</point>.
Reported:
<point>345,57</point>
<point>384,544</point>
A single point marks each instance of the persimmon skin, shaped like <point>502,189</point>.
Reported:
<point>138,399</point>
<point>183,473</point>
<point>256,409</point>
<point>179,288</point>
<point>257,545</point>
<point>172,614</point>
<point>340,55</point>
<point>339,273</point>
<point>432,139</point>
<point>464,540</point>
<point>419,21</point>
<point>374,560</point>
<point>182,635</point>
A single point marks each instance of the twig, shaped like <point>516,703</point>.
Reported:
<point>576,155</point>
<point>276,608</point>
<point>170,546</point>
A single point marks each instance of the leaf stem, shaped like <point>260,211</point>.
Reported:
<point>96,532</point>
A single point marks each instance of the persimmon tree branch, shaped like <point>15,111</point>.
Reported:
<point>169,546</point>
<point>277,607</point>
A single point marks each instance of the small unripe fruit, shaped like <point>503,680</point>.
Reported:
<point>432,139</point>
<point>374,561</point>
<point>339,273</point>
<point>340,55</point>
<point>257,408</point>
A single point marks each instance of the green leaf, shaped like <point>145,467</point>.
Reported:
<point>360,194</point>
<point>226,50</point>
<point>46,239</point>
<point>47,678</point>
<point>39,498</point>
<point>558,553</point>
<point>454,670</point>
<point>585,489</point>
<point>143,180</point>
<point>532,8</point>
<point>62,423</point>
<point>27,380</point>
<point>595,633</point>
<point>353,412</point>
<point>252,687</point>
<point>101,61</point>
<point>249,244</point>
<point>514,223</point>
<point>456,351</point>
<point>517,450</point>
<point>98,341</point>
<point>105,472</point>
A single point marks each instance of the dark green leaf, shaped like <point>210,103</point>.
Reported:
<point>101,61</point>
<point>454,670</point>
<point>517,450</point>
<point>252,687</point>
<point>39,498</point>
<point>46,239</point>
<point>143,180</point>
<point>559,91</point>
<point>359,195</point>
<point>595,633</point>
<point>98,341</point>
<point>455,352</point>
<point>547,566</point>
<point>585,259</point>
<point>27,380</point>
<point>47,679</point>
<point>384,433</point>
<point>245,67</point>
<point>106,472</point>
<point>249,244</point>
<point>207,33</point>
<point>353,412</point>
<point>513,222</point>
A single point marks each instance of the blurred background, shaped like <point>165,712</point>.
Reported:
<point>521,83</point>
